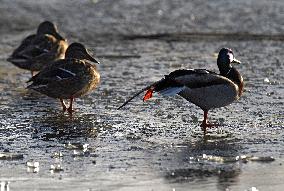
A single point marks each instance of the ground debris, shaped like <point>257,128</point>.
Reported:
<point>57,155</point>
<point>262,159</point>
<point>78,146</point>
<point>10,156</point>
<point>56,168</point>
<point>80,150</point>
<point>32,166</point>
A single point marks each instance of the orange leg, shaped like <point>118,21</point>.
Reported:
<point>70,109</point>
<point>63,105</point>
<point>205,123</point>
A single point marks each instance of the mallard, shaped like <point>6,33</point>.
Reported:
<point>68,78</point>
<point>38,49</point>
<point>206,89</point>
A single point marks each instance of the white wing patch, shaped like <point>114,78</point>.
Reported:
<point>39,86</point>
<point>171,91</point>
<point>69,72</point>
<point>58,77</point>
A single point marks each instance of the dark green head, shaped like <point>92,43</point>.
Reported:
<point>48,27</point>
<point>225,59</point>
<point>78,51</point>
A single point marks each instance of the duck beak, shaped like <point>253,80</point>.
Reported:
<point>235,61</point>
<point>89,57</point>
<point>58,36</point>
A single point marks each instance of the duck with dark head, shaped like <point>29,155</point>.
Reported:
<point>206,89</point>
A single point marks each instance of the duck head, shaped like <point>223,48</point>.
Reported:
<point>78,51</point>
<point>225,60</point>
<point>48,27</point>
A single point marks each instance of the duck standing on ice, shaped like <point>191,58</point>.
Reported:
<point>68,78</point>
<point>39,49</point>
<point>206,89</point>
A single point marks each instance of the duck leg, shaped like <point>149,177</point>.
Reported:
<point>205,123</point>
<point>63,105</point>
<point>32,73</point>
<point>70,108</point>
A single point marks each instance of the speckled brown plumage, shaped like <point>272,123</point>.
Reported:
<point>68,78</point>
<point>36,50</point>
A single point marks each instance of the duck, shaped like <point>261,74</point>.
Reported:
<point>36,50</point>
<point>68,78</point>
<point>206,89</point>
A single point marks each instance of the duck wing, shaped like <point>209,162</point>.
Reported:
<point>60,70</point>
<point>40,45</point>
<point>24,44</point>
<point>178,80</point>
<point>17,58</point>
<point>62,79</point>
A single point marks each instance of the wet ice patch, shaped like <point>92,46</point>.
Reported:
<point>229,159</point>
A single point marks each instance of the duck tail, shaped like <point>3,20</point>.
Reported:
<point>166,86</point>
<point>155,87</point>
<point>33,78</point>
<point>149,93</point>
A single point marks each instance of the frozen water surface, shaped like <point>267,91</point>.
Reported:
<point>157,145</point>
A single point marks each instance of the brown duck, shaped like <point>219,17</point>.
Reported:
<point>36,50</point>
<point>68,78</point>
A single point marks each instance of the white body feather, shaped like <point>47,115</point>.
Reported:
<point>171,91</point>
<point>69,72</point>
